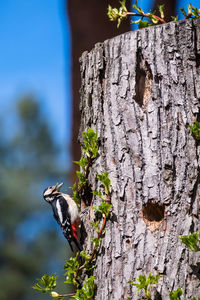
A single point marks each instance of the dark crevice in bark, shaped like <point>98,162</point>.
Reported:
<point>102,71</point>
<point>86,194</point>
<point>196,50</point>
<point>173,177</point>
<point>196,270</point>
<point>195,92</point>
<point>143,80</point>
<point>158,296</point>
<point>90,99</point>
<point>159,141</point>
<point>195,189</point>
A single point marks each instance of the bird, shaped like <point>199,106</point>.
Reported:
<point>65,211</point>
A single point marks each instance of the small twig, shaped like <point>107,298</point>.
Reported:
<point>95,248</point>
<point>98,237</point>
<point>107,198</point>
<point>145,15</point>
<point>86,174</point>
<point>188,15</point>
<point>66,295</point>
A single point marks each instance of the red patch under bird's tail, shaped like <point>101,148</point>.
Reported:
<point>75,235</point>
<point>75,229</point>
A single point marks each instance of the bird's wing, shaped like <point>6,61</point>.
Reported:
<point>64,218</point>
<point>60,210</point>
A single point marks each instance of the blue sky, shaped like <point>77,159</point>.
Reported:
<point>35,57</point>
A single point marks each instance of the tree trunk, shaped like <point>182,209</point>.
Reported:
<point>139,91</point>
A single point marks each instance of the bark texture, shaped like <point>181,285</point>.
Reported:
<point>139,91</point>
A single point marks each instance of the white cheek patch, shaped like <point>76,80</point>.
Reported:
<point>58,206</point>
<point>47,194</point>
<point>48,199</point>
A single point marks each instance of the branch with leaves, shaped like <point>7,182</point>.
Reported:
<point>119,14</point>
<point>79,267</point>
<point>90,152</point>
<point>176,295</point>
<point>73,267</point>
<point>144,284</point>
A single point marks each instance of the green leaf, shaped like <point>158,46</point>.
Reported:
<point>84,255</point>
<point>193,11</point>
<point>105,180</point>
<point>174,18</point>
<point>136,7</point>
<point>196,13</point>
<point>153,19</point>
<point>191,241</point>
<point>189,8</point>
<point>96,241</point>
<point>123,5</point>
<point>81,177</point>
<point>97,193</point>
<point>46,283</point>
<point>137,21</point>
<point>118,15</point>
<point>103,208</point>
<point>75,195</point>
<point>73,187</point>
<point>112,13</point>
<point>175,295</point>
<point>183,12</point>
<point>71,266</point>
<point>119,22</point>
<point>95,225</point>
<point>195,128</point>
<point>90,147</point>
<point>87,291</point>
<point>83,162</point>
<point>88,287</point>
<point>161,10</point>
<point>143,24</point>
<point>145,283</point>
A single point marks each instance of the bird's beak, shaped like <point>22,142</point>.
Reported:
<point>59,186</point>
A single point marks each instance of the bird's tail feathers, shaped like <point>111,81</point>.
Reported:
<point>75,244</point>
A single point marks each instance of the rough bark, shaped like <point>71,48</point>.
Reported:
<point>89,24</point>
<point>139,91</point>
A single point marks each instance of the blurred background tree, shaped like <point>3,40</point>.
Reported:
<point>28,241</point>
<point>89,25</point>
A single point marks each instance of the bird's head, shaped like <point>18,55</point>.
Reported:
<point>50,193</point>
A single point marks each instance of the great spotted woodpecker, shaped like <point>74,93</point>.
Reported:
<point>65,212</point>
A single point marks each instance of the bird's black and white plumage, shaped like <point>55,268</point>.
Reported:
<point>65,212</point>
